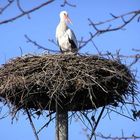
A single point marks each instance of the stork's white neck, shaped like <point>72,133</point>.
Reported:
<point>61,29</point>
<point>63,24</point>
<point>62,21</point>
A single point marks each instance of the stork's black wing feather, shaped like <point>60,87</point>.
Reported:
<point>73,45</point>
<point>72,40</point>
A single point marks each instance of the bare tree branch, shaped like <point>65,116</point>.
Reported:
<point>2,9</point>
<point>21,9</point>
<point>39,46</point>
<point>26,12</point>
<point>52,41</point>
<point>45,125</point>
<point>19,6</point>
<point>98,31</point>
<point>136,50</point>
<point>126,116</point>
<point>96,124</point>
<point>67,3</point>
<point>133,137</point>
<point>32,124</point>
<point>133,13</point>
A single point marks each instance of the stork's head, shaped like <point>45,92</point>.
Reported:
<point>64,17</point>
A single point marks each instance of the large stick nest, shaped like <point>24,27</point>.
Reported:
<point>73,82</point>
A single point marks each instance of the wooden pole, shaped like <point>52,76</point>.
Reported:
<point>61,124</point>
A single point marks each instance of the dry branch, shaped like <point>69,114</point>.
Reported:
<point>2,9</point>
<point>98,31</point>
<point>25,12</point>
<point>133,137</point>
<point>32,124</point>
<point>67,3</point>
<point>29,40</point>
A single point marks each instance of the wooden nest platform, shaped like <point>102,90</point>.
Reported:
<point>73,82</point>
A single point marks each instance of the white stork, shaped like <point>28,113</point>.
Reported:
<point>65,36</point>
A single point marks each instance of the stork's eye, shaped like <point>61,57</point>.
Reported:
<point>65,15</point>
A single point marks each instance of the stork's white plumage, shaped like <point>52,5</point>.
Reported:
<point>65,36</point>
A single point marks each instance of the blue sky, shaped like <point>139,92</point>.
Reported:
<point>40,28</point>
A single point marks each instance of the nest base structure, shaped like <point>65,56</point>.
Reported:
<point>73,82</point>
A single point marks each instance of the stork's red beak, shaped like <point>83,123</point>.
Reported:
<point>68,20</point>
